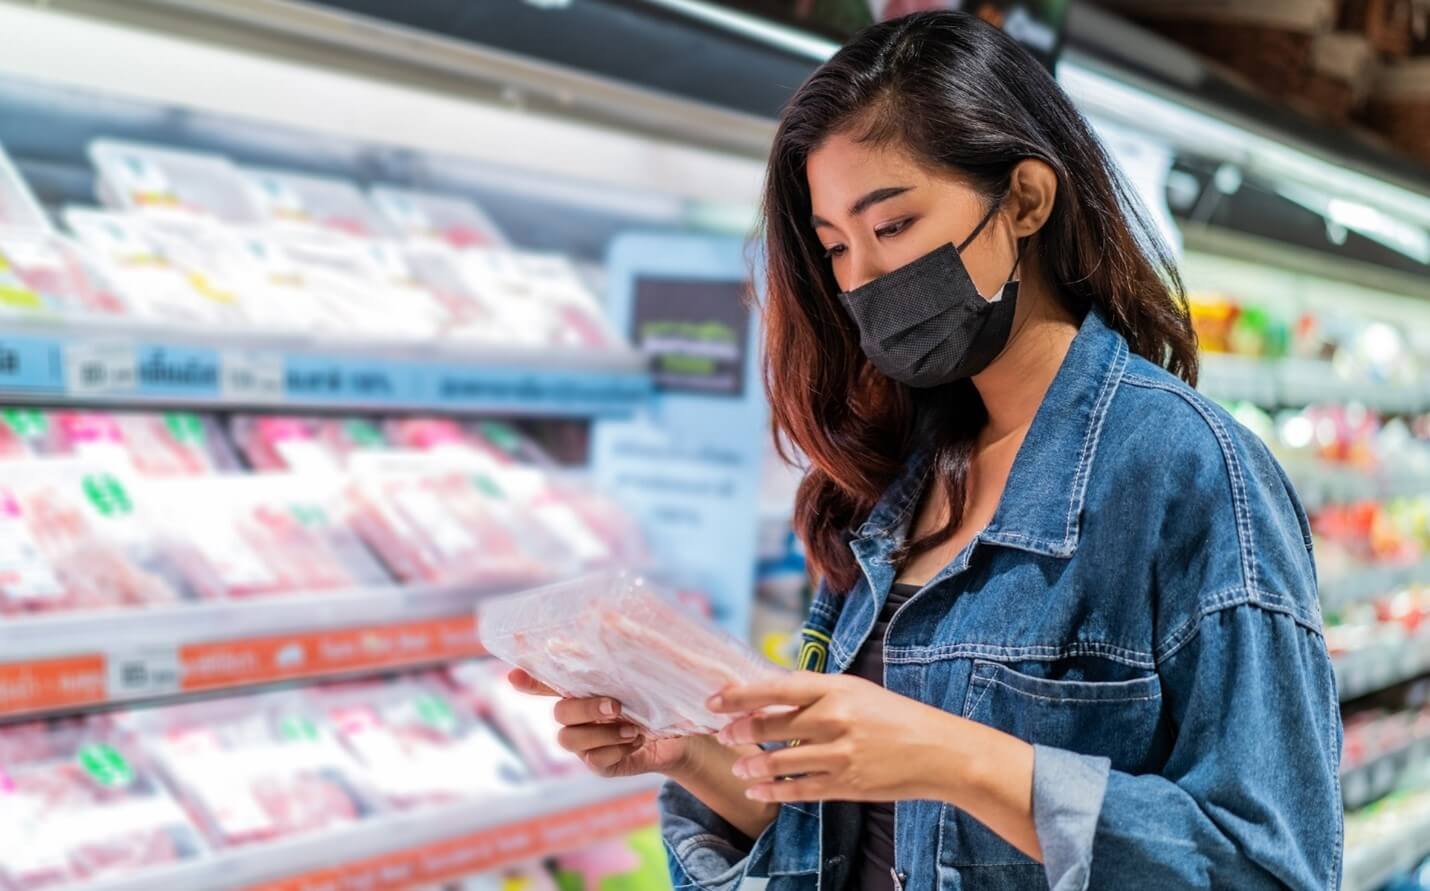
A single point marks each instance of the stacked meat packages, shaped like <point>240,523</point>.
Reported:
<point>105,510</point>
<point>189,239</point>
<point>102,796</point>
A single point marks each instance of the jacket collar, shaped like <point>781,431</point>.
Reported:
<point>1041,507</point>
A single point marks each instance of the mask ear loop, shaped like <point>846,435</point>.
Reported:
<point>981,224</point>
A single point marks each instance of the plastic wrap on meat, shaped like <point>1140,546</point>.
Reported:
<point>614,635</point>
<point>87,810</point>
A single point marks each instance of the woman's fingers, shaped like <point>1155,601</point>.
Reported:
<point>524,682</point>
<point>607,757</point>
<point>584,738</point>
<point>587,711</point>
<point>796,689</point>
<point>756,729</point>
<point>791,761</point>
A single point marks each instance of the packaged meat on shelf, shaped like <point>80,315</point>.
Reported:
<point>79,803</point>
<point>313,202</point>
<point>170,182</point>
<point>441,218</point>
<point>274,443</point>
<point>43,274</point>
<point>113,795</point>
<point>614,634</point>
<point>18,207</point>
<point>527,721</point>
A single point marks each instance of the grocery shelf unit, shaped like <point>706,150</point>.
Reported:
<point>562,161</point>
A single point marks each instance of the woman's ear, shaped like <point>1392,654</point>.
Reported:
<point>1032,190</point>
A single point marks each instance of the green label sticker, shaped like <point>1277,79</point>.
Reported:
<point>308,515</point>
<point>487,486</point>
<point>105,765</point>
<point>27,423</point>
<point>500,435</point>
<point>436,712</point>
<point>187,429</point>
<point>363,433</point>
<point>108,495</point>
<point>297,728</point>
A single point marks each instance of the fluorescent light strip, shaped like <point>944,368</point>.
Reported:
<point>788,39</point>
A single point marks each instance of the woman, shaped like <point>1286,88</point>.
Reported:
<point>1068,632</point>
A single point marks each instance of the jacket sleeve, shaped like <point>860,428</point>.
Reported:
<point>702,849</point>
<point>1250,795</point>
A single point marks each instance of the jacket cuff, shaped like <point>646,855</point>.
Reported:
<point>1068,790</point>
<point>704,850</point>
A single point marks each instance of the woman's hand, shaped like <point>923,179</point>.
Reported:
<point>860,742</point>
<point>609,746</point>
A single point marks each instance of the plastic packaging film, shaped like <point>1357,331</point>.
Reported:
<point>613,634</point>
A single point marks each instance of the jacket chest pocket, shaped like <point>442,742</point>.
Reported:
<point>1115,719</point>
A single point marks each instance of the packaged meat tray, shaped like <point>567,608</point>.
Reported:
<point>73,539</point>
<point>254,769</point>
<point>613,635</point>
<point>155,179</point>
<point>255,536</point>
<point>77,805</point>
<point>527,721</point>
<point>41,272</point>
<point>303,444</point>
<point>316,202</point>
<point>158,445</point>
<point>435,525</point>
<point>416,745</point>
<point>425,215</point>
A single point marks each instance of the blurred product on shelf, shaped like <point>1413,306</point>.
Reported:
<point>77,804</point>
<point>527,721</point>
<point>190,240</point>
<point>99,796</point>
<point>617,635</point>
<point>109,509</point>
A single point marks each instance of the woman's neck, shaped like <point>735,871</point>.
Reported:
<point>1013,387</point>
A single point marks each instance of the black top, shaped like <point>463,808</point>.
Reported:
<point>877,849</point>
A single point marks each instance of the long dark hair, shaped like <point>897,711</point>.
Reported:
<point>960,95</point>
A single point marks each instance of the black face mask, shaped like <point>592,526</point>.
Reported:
<point>925,324</point>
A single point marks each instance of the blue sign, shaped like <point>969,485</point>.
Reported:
<point>318,379</point>
<point>534,390</point>
<point>687,464</point>
<point>31,365</point>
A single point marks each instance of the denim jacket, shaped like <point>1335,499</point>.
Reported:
<point>1142,608</point>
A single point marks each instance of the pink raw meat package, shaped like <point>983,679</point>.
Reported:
<point>613,634</point>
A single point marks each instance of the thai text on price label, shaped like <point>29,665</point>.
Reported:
<point>143,671</point>
<point>97,368</point>
<point>252,376</point>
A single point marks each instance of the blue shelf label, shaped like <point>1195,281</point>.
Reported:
<point>32,364</point>
<point>527,390</point>
<point>341,380</point>
<point>178,371</point>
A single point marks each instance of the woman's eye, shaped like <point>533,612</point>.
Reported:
<point>834,250</point>
<point>892,229</point>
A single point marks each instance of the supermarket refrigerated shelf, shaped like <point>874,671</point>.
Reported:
<point>1372,581</point>
<point>70,661</point>
<point>132,365</point>
<point>1375,668</point>
<point>407,850</point>
<point>1369,866</point>
<point>1295,382</point>
<point>1364,783</point>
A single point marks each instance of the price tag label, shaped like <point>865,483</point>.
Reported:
<point>99,368</point>
<point>252,377</point>
<point>143,671</point>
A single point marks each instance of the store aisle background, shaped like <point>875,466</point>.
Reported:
<point>321,321</point>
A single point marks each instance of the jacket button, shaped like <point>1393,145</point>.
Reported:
<point>834,861</point>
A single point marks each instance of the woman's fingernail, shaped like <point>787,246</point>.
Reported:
<point>755,793</point>
<point>740,770</point>
<point>608,708</point>
<point>716,702</point>
<point>629,731</point>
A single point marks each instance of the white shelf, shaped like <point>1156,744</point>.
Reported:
<point>1294,382</point>
<point>1376,668</point>
<point>426,845</point>
<point>1372,581</point>
<point>1368,867</point>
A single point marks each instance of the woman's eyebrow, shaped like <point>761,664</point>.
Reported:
<point>864,203</point>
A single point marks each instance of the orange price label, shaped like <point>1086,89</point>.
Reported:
<point>261,660</point>
<point>52,684</point>
<point>481,851</point>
